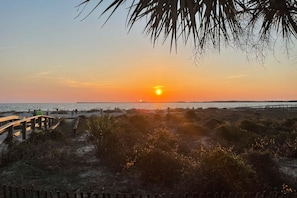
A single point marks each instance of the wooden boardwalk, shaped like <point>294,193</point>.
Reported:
<point>12,127</point>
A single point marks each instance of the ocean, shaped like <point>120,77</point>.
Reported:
<point>24,107</point>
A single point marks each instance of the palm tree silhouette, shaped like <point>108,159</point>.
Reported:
<point>209,23</point>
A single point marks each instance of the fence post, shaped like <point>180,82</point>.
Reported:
<point>24,129</point>
<point>50,122</point>
<point>17,192</point>
<point>96,195</point>
<point>45,122</point>
<point>10,134</point>
<point>38,194</point>
<point>4,191</point>
<point>24,192</point>
<point>75,125</point>
<point>10,191</point>
<point>39,122</point>
<point>33,123</point>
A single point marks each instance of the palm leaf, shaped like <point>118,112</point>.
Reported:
<point>208,22</point>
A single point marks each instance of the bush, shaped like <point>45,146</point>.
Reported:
<point>190,129</point>
<point>38,146</point>
<point>253,127</point>
<point>161,167</point>
<point>107,140</point>
<point>265,168</point>
<point>230,135</point>
<point>163,139</point>
<point>213,123</point>
<point>220,170</point>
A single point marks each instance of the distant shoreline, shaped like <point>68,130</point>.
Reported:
<point>214,101</point>
<point>87,106</point>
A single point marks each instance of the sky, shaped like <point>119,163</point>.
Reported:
<point>48,54</point>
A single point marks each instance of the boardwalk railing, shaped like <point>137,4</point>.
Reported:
<point>26,124</point>
<point>7,119</point>
<point>14,192</point>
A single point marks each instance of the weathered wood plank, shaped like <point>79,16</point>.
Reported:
<point>8,118</point>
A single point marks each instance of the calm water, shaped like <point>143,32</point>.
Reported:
<point>23,107</point>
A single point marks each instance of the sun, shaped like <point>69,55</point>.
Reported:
<point>158,91</point>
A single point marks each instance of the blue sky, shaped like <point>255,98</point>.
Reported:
<point>49,55</point>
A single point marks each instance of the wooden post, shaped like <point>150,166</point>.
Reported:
<point>10,134</point>
<point>10,191</point>
<point>24,129</point>
<point>50,122</point>
<point>45,123</point>
<point>17,192</point>
<point>75,125</point>
<point>24,192</point>
<point>39,122</point>
<point>33,123</point>
<point>38,194</point>
<point>4,191</point>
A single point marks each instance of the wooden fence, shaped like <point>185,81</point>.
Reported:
<point>14,192</point>
<point>31,123</point>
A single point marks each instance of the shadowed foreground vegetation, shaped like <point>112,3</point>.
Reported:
<point>176,151</point>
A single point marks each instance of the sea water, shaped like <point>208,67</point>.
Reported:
<point>24,107</point>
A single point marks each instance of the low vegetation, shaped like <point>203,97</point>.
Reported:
<point>177,151</point>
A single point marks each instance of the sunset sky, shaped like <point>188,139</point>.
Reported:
<point>49,55</point>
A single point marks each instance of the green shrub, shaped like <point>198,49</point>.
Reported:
<point>161,167</point>
<point>189,129</point>
<point>283,144</point>
<point>37,146</point>
<point>254,127</point>
<point>288,125</point>
<point>220,170</point>
<point>213,123</point>
<point>139,122</point>
<point>163,139</point>
<point>231,135</point>
<point>107,140</point>
<point>265,167</point>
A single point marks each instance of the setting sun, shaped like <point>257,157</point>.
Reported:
<point>158,90</point>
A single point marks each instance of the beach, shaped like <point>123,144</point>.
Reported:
<point>195,128</point>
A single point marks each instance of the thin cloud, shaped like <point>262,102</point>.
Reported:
<point>238,76</point>
<point>70,82</point>
<point>158,87</point>
<point>86,84</point>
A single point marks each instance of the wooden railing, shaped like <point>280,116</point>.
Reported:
<point>5,120</point>
<point>25,124</point>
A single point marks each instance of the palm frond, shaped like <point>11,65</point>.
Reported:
<point>208,22</point>
<point>274,15</point>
